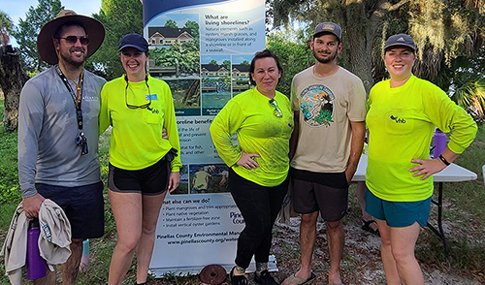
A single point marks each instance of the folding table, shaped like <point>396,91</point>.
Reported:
<point>452,173</point>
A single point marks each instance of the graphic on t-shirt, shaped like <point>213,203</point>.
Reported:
<point>317,105</point>
<point>398,120</point>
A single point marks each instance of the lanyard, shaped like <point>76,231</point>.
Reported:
<point>77,99</point>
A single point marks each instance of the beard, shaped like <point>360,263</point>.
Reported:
<point>70,60</point>
<point>329,59</point>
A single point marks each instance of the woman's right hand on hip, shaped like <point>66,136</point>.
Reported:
<point>247,160</point>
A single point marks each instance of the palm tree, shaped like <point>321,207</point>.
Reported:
<point>5,28</point>
<point>470,94</point>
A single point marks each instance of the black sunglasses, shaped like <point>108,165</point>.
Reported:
<point>73,40</point>
<point>144,106</point>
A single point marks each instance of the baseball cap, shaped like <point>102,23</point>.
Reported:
<point>133,40</point>
<point>400,40</point>
<point>329,27</point>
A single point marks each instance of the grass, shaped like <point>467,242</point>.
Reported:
<point>463,206</point>
<point>9,193</point>
<point>469,195</point>
<point>463,202</point>
<point>9,189</point>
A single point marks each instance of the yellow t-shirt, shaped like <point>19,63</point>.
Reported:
<point>259,131</point>
<point>136,139</point>
<point>401,122</point>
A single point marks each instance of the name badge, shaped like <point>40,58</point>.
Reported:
<point>152,97</point>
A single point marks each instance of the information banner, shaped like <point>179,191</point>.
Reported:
<point>195,231</point>
<point>202,49</point>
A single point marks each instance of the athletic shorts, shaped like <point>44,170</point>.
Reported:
<point>151,181</point>
<point>397,214</point>
<point>83,206</point>
<point>332,202</point>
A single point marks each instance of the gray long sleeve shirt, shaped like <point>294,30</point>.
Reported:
<point>47,129</point>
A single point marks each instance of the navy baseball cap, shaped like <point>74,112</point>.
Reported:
<point>329,28</point>
<point>400,40</point>
<point>133,40</point>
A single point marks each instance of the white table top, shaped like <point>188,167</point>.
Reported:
<point>452,173</point>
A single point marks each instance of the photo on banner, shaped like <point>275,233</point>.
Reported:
<point>202,49</point>
<point>216,82</point>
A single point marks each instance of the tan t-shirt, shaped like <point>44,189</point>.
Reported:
<point>326,106</point>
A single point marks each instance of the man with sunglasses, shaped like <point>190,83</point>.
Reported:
<point>58,133</point>
<point>329,105</point>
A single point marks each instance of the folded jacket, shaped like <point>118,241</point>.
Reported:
<point>54,239</point>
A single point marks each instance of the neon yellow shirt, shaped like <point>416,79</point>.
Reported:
<point>259,131</point>
<point>136,139</point>
<point>401,122</point>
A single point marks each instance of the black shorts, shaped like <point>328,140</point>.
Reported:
<point>327,192</point>
<point>83,206</point>
<point>152,180</point>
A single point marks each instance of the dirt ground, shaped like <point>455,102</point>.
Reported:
<point>361,262</point>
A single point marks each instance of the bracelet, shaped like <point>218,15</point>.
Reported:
<point>444,160</point>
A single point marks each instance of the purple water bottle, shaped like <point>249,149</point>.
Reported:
<point>36,267</point>
<point>439,140</point>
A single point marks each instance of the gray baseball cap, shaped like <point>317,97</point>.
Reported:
<point>400,40</point>
<point>328,27</point>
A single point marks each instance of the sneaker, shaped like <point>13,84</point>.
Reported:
<point>265,278</point>
<point>237,279</point>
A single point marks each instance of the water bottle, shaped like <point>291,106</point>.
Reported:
<point>36,267</point>
<point>439,141</point>
<point>84,265</point>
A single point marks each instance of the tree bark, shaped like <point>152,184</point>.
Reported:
<point>12,79</point>
<point>358,36</point>
<point>362,26</point>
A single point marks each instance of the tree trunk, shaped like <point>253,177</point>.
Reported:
<point>358,37</point>
<point>12,79</point>
<point>363,22</point>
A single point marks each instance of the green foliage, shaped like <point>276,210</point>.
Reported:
<point>9,190</point>
<point>6,28</point>
<point>28,29</point>
<point>194,28</point>
<point>119,18</point>
<point>465,81</point>
<point>170,24</point>
<point>227,64</point>
<point>293,56</point>
<point>442,29</point>
<point>186,56</point>
<point>471,96</point>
